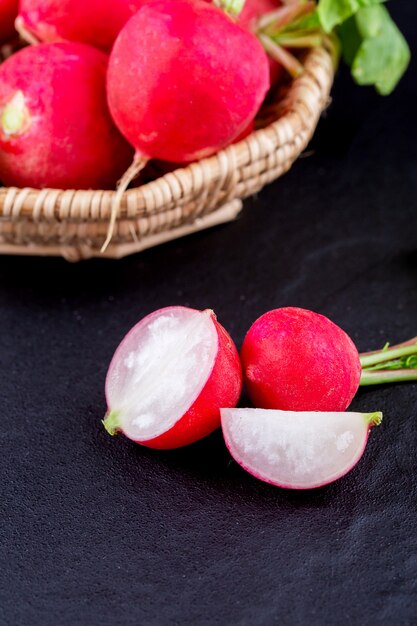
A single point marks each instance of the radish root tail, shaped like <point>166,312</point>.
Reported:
<point>24,33</point>
<point>131,173</point>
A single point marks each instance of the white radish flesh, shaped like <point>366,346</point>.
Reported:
<point>296,450</point>
<point>160,369</point>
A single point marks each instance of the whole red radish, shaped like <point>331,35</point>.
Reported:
<point>169,378</point>
<point>183,82</point>
<point>8,14</point>
<point>297,360</point>
<point>95,22</point>
<point>55,127</point>
<point>296,450</point>
<point>175,90</point>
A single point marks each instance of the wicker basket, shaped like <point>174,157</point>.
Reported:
<point>73,224</point>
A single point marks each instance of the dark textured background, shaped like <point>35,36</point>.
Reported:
<point>98,531</point>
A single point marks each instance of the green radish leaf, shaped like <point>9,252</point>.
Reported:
<point>350,39</point>
<point>374,48</point>
<point>334,12</point>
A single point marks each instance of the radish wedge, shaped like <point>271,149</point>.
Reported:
<point>296,450</point>
<point>170,376</point>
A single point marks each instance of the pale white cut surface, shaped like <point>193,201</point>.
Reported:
<point>293,449</point>
<point>159,370</point>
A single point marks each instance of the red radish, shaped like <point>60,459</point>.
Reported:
<point>296,450</point>
<point>95,22</point>
<point>170,376</point>
<point>298,360</point>
<point>55,128</point>
<point>183,82</point>
<point>8,14</point>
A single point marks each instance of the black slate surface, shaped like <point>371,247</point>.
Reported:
<point>98,531</point>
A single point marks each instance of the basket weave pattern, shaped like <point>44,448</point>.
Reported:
<point>74,223</point>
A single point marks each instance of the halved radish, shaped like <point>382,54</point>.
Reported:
<point>296,450</point>
<point>170,376</point>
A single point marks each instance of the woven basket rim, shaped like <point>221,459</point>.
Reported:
<point>187,194</point>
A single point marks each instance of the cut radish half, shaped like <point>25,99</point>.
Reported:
<point>170,376</point>
<point>293,449</point>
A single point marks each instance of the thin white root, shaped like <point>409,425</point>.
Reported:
<point>25,34</point>
<point>130,174</point>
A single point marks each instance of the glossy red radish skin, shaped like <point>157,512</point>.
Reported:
<point>175,90</point>
<point>95,22</point>
<point>8,14</point>
<point>248,18</point>
<point>48,137</point>
<point>159,168</point>
<point>246,132</point>
<point>170,376</point>
<point>297,360</point>
<point>296,450</point>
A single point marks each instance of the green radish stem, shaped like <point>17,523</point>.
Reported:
<point>287,60</point>
<point>386,348</point>
<point>295,41</point>
<point>15,117</point>
<point>405,362</point>
<point>374,419</point>
<point>390,365</point>
<point>111,422</point>
<point>277,31</point>
<point>388,355</point>
<point>384,377</point>
<point>286,15</point>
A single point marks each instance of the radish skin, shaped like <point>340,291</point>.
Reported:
<point>159,168</point>
<point>49,137</point>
